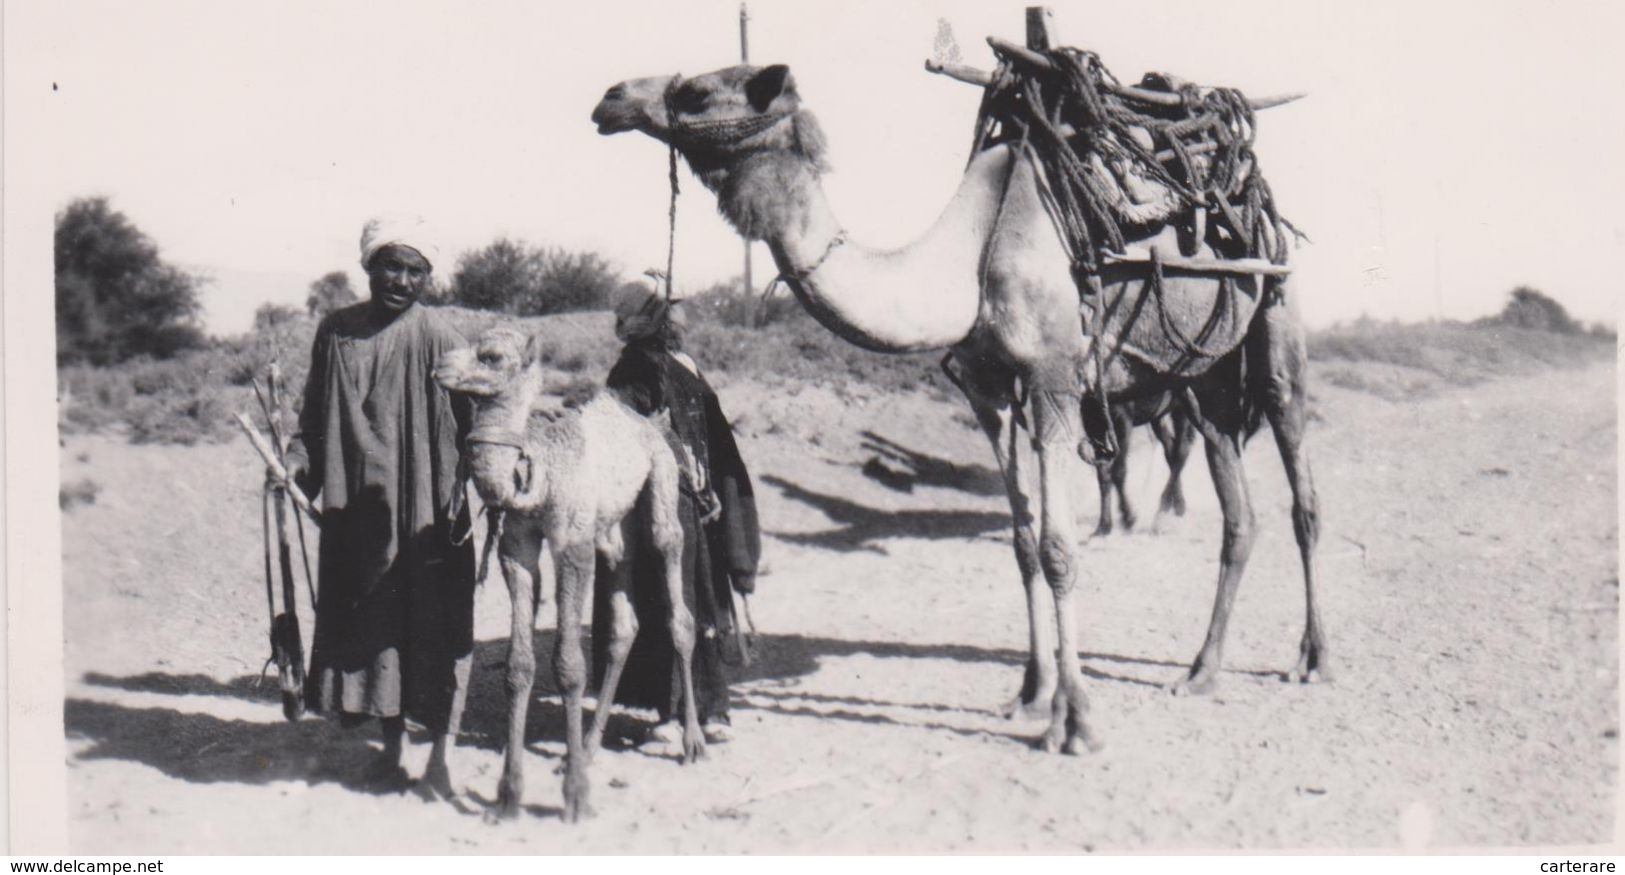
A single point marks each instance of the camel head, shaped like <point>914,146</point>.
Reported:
<point>503,365</point>
<point>740,121</point>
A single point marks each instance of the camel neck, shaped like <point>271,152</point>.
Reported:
<point>924,296</point>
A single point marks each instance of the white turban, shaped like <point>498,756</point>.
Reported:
<point>399,230</point>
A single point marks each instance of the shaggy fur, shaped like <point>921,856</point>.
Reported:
<point>579,483</point>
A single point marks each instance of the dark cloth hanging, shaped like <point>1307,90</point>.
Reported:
<point>719,557</point>
<point>395,614</point>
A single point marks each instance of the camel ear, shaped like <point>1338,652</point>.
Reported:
<point>533,350</point>
<point>767,85</point>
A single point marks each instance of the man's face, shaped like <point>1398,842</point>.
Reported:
<point>398,276</point>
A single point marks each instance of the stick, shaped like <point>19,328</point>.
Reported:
<point>262,447</point>
<point>973,76</point>
<point>1201,265</point>
<point>1039,21</point>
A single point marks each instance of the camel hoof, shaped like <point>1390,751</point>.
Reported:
<point>503,811</point>
<point>1199,684</point>
<point>1309,672</point>
<point>1079,745</point>
<point>501,814</point>
<point>1102,530</point>
<point>575,812</point>
<point>1054,738</point>
<point>1023,709</point>
<point>576,808</point>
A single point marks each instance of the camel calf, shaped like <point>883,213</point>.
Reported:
<point>577,483</point>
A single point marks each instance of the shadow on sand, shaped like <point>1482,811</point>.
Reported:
<point>203,748</point>
<point>865,528</point>
<point>899,468</point>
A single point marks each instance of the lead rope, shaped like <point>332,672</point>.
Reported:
<point>671,175</point>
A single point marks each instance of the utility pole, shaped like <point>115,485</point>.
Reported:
<point>744,58</point>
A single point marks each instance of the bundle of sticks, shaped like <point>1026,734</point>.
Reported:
<point>287,646</point>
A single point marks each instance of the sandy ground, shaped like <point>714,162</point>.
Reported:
<point>1471,592</point>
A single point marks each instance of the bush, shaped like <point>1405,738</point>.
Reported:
<point>1445,352</point>
<point>510,277</point>
<point>730,303</point>
<point>269,317</point>
<point>331,292</point>
<point>1532,310</point>
<point>115,298</point>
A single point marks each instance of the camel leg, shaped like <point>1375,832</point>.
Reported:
<point>519,555</point>
<point>574,564</point>
<point>1103,479</point>
<point>1175,433</point>
<point>1223,443</point>
<point>1278,343</point>
<point>1123,423</point>
<point>1113,477</point>
<point>996,415</point>
<point>1055,419</point>
<point>623,627</point>
<point>1313,662</point>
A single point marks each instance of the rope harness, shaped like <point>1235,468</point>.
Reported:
<point>786,277</point>
<point>1200,157</point>
<point>495,517</point>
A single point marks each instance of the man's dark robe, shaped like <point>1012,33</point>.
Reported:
<point>395,613</point>
<point>717,557</point>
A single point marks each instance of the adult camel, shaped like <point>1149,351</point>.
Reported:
<point>991,281</point>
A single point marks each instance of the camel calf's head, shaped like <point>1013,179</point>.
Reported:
<point>501,362</point>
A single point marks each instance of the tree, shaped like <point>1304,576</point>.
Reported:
<point>512,277</point>
<point>1532,309</point>
<point>271,316</point>
<point>330,293</point>
<point>115,297</point>
<point>576,281</point>
<point>504,276</point>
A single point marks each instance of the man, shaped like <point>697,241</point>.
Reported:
<point>395,618</point>
<point>721,534</point>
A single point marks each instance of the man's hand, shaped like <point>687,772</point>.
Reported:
<point>744,582</point>
<point>296,476</point>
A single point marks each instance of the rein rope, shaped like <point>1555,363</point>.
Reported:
<point>786,277</point>
<point>671,175</point>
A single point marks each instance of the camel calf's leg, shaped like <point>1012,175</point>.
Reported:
<point>666,536</point>
<point>519,555</point>
<point>574,563</point>
<point>623,627</point>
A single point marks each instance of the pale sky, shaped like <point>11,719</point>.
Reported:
<point>1447,152</point>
